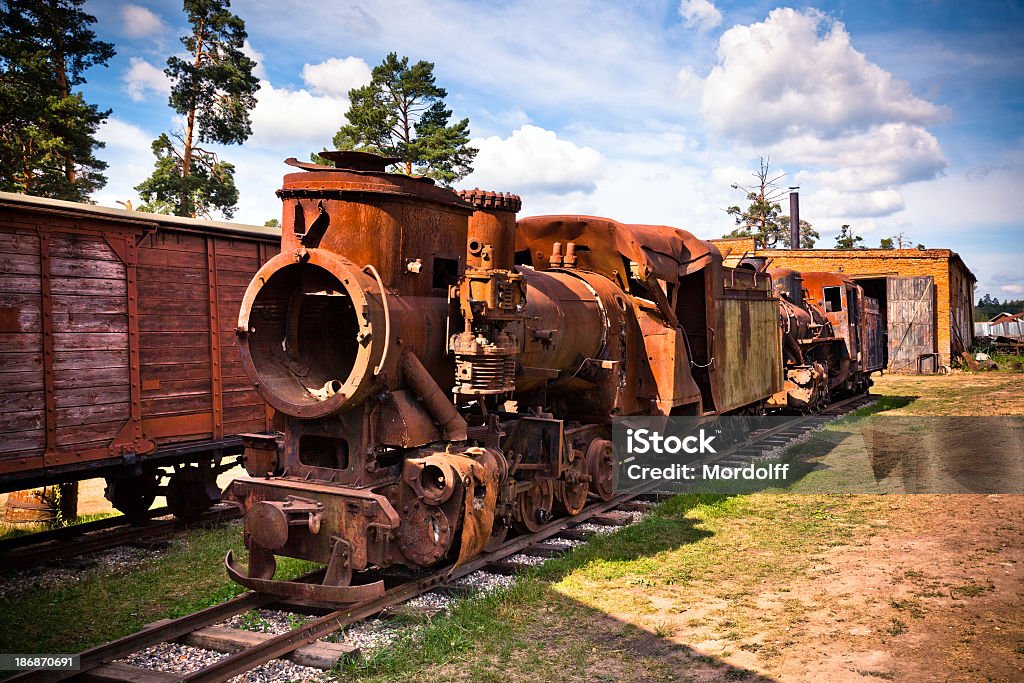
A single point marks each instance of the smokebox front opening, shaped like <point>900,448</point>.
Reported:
<point>302,337</point>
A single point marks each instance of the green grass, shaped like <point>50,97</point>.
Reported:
<point>1009,362</point>
<point>13,531</point>
<point>547,622</point>
<point>103,605</point>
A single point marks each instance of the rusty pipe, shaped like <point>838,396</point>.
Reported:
<point>434,400</point>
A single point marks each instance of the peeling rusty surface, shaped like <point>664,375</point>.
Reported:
<point>444,372</point>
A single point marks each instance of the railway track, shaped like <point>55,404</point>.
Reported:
<point>246,650</point>
<point>57,545</point>
<point>760,441</point>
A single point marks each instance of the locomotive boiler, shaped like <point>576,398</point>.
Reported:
<point>442,374</point>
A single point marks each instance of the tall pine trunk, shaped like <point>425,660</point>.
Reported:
<point>186,156</point>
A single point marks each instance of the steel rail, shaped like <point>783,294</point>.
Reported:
<point>280,645</point>
<point>101,537</point>
<point>246,660</point>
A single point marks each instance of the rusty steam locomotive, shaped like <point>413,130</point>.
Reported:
<point>442,373</point>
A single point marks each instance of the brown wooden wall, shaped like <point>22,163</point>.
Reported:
<point>193,383</point>
<point>117,335</point>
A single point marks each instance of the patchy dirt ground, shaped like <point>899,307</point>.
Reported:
<point>774,587</point>
<point>958,393</point>
<point>927,588</point>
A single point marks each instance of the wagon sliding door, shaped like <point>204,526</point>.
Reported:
<point>911,314</point>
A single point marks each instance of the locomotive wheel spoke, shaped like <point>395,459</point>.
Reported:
<point>571,493</point>
<point>533,506</point>
<point>602,468</point>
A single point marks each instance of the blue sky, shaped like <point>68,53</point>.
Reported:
<point>891,116</point>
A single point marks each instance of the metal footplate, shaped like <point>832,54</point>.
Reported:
<point>305,591</point>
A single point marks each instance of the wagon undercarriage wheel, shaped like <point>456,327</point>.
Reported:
<point>571,492</point>
<point>132,494</point>
<point>192,490</point>
<point>533,506</point>
<point>602,468</point>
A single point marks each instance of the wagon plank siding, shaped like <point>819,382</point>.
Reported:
<point>114,290</point>
<point>174,332</point>
<point>22,390</point>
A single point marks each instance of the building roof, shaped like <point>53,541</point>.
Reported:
<point>60,207</point>
<point>1003,317</point>
<point>869,254</point>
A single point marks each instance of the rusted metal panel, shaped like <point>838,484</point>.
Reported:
<point>911,315</point>
<point>747,351</point>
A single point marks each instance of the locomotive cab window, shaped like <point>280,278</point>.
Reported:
<point>445,273</point>
<point>833,299</point>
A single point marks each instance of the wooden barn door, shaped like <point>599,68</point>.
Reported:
<point>911,314</point>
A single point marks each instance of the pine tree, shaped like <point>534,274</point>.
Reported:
<point>401,114</point>
<point>847,240</point>
<point>763,220</point>
<point>215,90</point>
<point>47,130</point>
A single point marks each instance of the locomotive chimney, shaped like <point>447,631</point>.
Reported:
<point>492,295</point>
<point>491,242</point>
<point>794,218</point>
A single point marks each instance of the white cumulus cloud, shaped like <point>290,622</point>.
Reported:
<point>139,22</point>
<point>534,159</point>
<point>797,72</point>
<point>336,76</point>
<point>794,86</point>
<point>700,14</point>
<point>142,78</point>
<point>321,107</point>
<point>121,135</point>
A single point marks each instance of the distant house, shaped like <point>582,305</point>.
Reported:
<point>1004,317</point>
<point>1003,325</point>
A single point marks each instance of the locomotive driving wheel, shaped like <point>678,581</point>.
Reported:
<point>571,492</point>
<point>533,506</point>
<point>601,466</point>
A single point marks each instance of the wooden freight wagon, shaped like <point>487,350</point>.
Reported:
<point>118,351</point>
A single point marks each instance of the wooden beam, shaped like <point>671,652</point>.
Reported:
<point>317,655</point>
<point>125,673</point>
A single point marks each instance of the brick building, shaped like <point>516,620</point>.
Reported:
<point>926,296</point>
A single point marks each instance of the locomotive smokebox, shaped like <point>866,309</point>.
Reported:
<point>364,254</point>
<point>311,337</point>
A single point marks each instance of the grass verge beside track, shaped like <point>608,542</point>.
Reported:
<point>106,602</point>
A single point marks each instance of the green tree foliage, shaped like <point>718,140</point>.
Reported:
<point>272,223</point>
<point>989,307</point>
<point>402,114</point>
<point>847,240</point>
<point>887,243</point>
<point>209,184</point>
<point>215,90</point>
<point>47,130</point>
<point>763,219</point>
